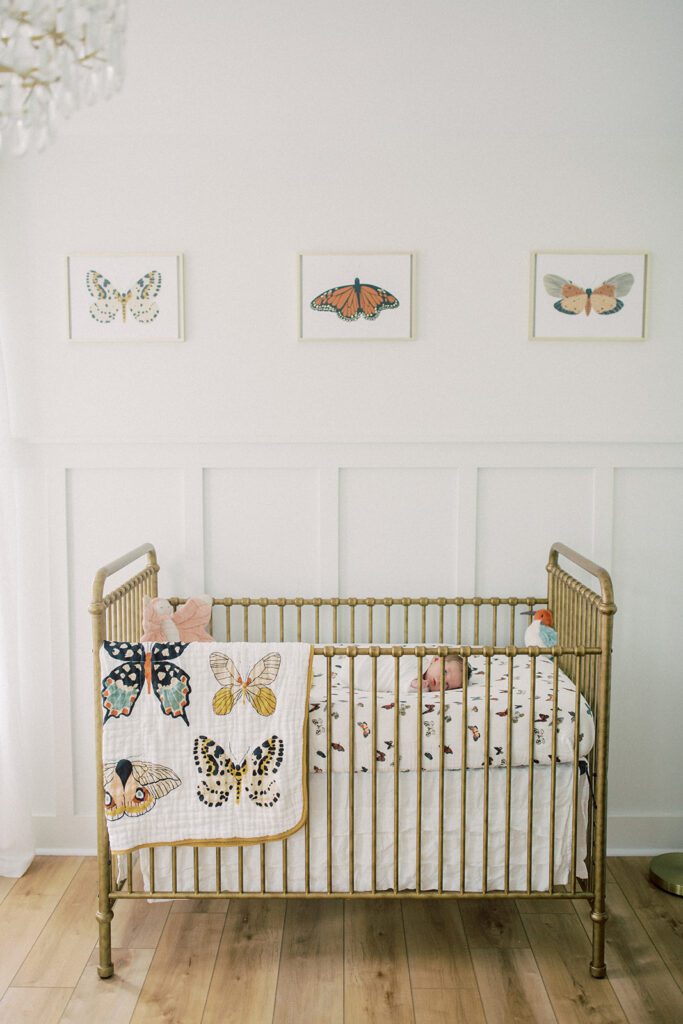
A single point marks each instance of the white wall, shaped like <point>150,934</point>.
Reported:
<point>469,133</point>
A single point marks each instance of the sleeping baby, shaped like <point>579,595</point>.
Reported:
<point>431,678</point>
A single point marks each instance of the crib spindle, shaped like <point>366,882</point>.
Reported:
<point>530,759</point>
<point>463,774</point>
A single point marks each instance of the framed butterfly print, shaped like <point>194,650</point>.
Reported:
<point>125,297</point>
<point>596,296</point>
<point>356,296</point>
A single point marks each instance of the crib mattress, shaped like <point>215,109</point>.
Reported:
<point>509,717</point>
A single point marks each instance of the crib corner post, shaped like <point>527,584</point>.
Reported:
<point>599,916</point>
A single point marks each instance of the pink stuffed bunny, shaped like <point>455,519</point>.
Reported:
<point>161,624</point>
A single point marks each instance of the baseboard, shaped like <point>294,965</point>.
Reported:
<point>639,835</point>
<point>628,835</point>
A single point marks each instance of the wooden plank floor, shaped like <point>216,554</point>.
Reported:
<point>270,962</point>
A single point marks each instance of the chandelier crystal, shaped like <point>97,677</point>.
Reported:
<point>54,56</point>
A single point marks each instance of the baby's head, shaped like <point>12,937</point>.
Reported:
<point>431,680</point>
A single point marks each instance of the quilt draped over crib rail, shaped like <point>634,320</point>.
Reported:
<point>204,743</point>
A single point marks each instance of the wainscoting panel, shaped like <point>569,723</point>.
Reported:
<point>398,531</point>
<point>520,513</point>
<point>648,670</point>
<point>262,532</point>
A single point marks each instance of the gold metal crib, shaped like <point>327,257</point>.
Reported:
<point>395,628</point>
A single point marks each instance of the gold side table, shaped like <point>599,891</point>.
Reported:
<point>666,871</point>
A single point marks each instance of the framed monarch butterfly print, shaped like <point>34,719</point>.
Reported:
<point>597,296</point>
<point>356,296</point>
<point>125,297</point>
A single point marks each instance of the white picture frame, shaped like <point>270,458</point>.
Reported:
<point>392,273</point>
<point>118,297</point>
<point>625,273</point>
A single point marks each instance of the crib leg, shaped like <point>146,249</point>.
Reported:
<point>598,917</point>
<point>105,968</point>
<point>104,915</point>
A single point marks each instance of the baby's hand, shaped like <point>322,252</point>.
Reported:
<point>414,684</point>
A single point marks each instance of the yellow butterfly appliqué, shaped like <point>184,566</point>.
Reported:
<point>255,688</point>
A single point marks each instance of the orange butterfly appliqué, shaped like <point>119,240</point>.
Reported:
<point>349,301</point>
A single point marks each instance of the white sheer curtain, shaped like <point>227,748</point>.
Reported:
<point>16,832</point>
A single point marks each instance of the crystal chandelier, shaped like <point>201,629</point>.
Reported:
<point>55,55</point>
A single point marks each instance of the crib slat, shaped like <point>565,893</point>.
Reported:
<point>530,795</point>
<point>553,774</point>
<point>575,779</point>
<point>152,879</point>
<point>418,824</point>
<point>396,767</point>
<point>463,778</point>
<point>352,770</point>
<point>442,740</point>
<point>328,769</point>
<point>508,774</point>
<point>487,730</point>
<point>285,881</point>
<point>374,774</point>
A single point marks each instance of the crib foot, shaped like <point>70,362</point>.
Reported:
<point>598,967</point>
<point>105,968</point>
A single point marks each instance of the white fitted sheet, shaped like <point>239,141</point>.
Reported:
<point>376,742</point>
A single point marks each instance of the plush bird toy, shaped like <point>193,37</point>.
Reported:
<point>540,632</point>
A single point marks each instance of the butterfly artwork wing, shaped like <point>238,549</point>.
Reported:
<point>606,299</point>
<point>225,671</point>
<point>342,300</point>
<point>170,683</point>
<point>133,787</point>
<point>373,300</point>
<point>143,306</point>
<point>122,686</point>
<point>257,690</point>
<point>266,760</point>
<point>108,300</point>
<point>572,299</point>
<point>220,775</point>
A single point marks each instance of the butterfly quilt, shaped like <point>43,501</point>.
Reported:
<point>204,742</point>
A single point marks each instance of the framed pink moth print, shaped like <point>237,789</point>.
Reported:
<point>356,296</point>
<point>125,297</point>
<point>590,296</point>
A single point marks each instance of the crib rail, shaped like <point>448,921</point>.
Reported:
<point>417,629</point>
